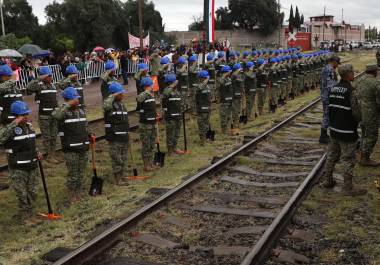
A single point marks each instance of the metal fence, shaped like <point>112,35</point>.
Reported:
<point>91,70</point>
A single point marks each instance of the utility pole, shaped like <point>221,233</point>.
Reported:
<point>280,24</point>
<point>141,4</point>
<point>323,26</point>
<point>2,17</point>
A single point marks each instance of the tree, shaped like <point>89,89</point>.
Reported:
<point>302,19</point>
<point>297,19</point>
<point>197,24</point>
<point>291,19</point>
<point>10,41</point>
<point>223,20</point>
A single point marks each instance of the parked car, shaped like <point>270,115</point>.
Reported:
<point>355,44</point>
<point>367,45</point>
<point>376,45</point>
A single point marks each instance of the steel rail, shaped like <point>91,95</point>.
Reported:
<point>105,240</point>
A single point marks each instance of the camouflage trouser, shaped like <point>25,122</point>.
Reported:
<point>325,120</point>
<point>295,86</point>
<point>203,119</point>
<point>290,87</point>
<point>261,94</point>
<point>236,111</point>
<point>273,96</point>
<point>25,182</point>
<point>76,163</point>
<point>301,84</point>
<point>49,131</point>
<point>172,133</point>
<point>191,100</point>
<point>370,133</point>
<point>213,91</point>
<point>250,102</point>
<point>185,100</point>
<point>283,88</point>
<point>119,153</point>
<point>225,113</point>
<point>148,136</point>
<point>345,151</point>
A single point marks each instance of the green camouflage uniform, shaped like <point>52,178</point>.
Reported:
<point>225,96</point>
<point>107,79</point>
<point>250,91</point>
<point>210,67</point>
<point>295,80</point>
<point>183,85</point>
<point>24,182</point>
<point>193,71</point>
<point>368,89</point>
<point>173,116</point>
<point>155,59</point>
<point>238,88</point>
<point>66,82</point>
<point>203,107</point>
<point>274,91</point>
<point>7,88</point>
<point>262,80</point>
<point>138,76</point>
<point>289,89</point>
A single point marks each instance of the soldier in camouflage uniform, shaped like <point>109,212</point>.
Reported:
<point>72,80</point>
<point>274,80</point>
<point>203,104</point>
<point>193,71</point>
<point>155,65</point>
<point>183,81</point>
<point>218,66</point>
<point>19,140</point>
<point>142,71</point>
<point>210,68</point>
<point>107,77</point>
<point>368,89</point>
<point>75,140</point>
<point>283,71</point>
<point>289,68</point>
<point>164,69</point>
<point>146,105</point>
<point>250,86</point>
<point>295,80</point>
<point>237,78</point>
<point>225,96</point>
<point>262,82</point>
<point>172,105</point>
<point>116,125</point>
<point>46,96</point>
<point>9,93</point>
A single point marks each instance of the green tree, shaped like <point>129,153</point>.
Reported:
<point>291,19</point>
<point>297,19</point>
<point>302,19</point>
<point>223,20</point>
<point>10,41</point>
<point>197,24</point>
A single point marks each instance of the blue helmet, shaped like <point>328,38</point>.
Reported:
<point>283,58</point>
<point>109,66</point>
<point>265,51</point>
<point>288,57</point>
<point>221,54</point>
<point>225,69</point>
<point>146,81</point>
<point>115,88</point>
<point>300,56</point>
<point>273,60</point>
<point>232,54</point>
<point>261,61</point>
<point>71,69</point>
<point>210,57</point>
<point>203,74</point>
<point>170,78</point>
<point>70,93</point>
<point>45,70</point>
<point>20,108</point>
<point>142,66</point>
<point>254,53</point>
<point>276,52</point>
<point>249,65</point>
<point>193,58</point>
<point>181,60</point>
<point>5,70</point>
<point>246,53</point>
<point>237,54</point>
<point>259,52</point>
<point>236,66</point>
<point>164,60</point>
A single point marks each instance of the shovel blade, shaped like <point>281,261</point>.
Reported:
<point>96,186</point>
<point>210,135</point>
<point>159,159</point>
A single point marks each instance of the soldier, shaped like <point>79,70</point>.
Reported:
<point>274,82</point>
<point>193,71</point>
<point>289,68</point>
<point>210,67</point>
<point>329,79</point>
<point>262,82</point>
<point>283,71</point>
<point>225,95</point>
<point>219,63</point>
<point>344,116</point>
<point>116,125</point>
<point>19,140</point>
<point>203,104</point>
<point>154,60</point>
<point>368,89</point>
<point>238,90</point>
<point>302,74</point>
<point>75,140</point>
<point>171,103</point>
<point>107,77</point>
<point>233,59</point>
<point>183,81</point>
<point>250,85</point>
<point>9,93</point>
<point>72,80</point>
<point>164,69</point>
<point>142,71</point>
<point>46,97</point>
<point>146,105</point>
<point>295,80</point>
<point>246,58</point>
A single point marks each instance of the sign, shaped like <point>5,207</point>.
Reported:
<point>134,42</point>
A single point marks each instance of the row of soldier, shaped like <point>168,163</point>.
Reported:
<point>274,77</point>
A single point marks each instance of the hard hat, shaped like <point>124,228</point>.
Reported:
<point>70,93</point>
<point>45,70</point>
<point>249,65</point>
<point>236,66</point>
<point>260,61</point>
<point>221,54</point>
<point>142,66</point>
<point>193,58</point>
<point>254,53</point>
<point>20,108</point>
<point>210,57</point>
<point>170,78</point>
<point>164,60</point>
<point>116,88</point>
<point>246,53</point>
<point>109,65</point>
<point>225,69</point>
<point>203,74</point>
<point>273,60</point>
<point>146,81</point>
<point>71,69</point>
<point>232,54</point>
<point>5,70</point>
<point>181,60</point>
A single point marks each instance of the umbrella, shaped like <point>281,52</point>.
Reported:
<point>109,50</point>
<point>30,49</point>
<point>43,53</point>
<point>98,49</point>
<point>10,53</point>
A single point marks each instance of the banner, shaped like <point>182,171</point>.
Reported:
<point>209,19</point>
<point>134,42</point>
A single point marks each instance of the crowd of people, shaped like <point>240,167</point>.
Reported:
<point>242,85</point>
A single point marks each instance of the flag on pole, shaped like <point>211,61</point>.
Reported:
<point>209,19</point>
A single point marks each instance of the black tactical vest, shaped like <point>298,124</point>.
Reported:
<point>172,106</point>
<point>183,78</point>
<point>46,98</point>
<point>342,124</point>
<point>148,110</point>
<point>226,91</point>
<point>203,99</point>
<point>237,85</point>
<point>116,123</point>
<point>262,79</point>
<point>21,149</point>
<point>6,101</point>
<point>250,83</point>
<point>73,131</point>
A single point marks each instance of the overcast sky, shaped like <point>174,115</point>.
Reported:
<point>177,14</point>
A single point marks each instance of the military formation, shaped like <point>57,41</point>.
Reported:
<point>242,87</point>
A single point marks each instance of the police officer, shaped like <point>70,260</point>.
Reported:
<point>237,78</point>
<point>329,79</point>
<point>203,104</point>
<point>142,71</point>
<point>368,88</point>
<point>250,85</point>
<point>75,140</point>
<point>9,93</point>
<point>19,140</point>
<point>183,81</point>
<point>116,125</point>
<point>193,72</point>
<point>225,96</point>
<point>262,83</point>
<point>107,78</point>
<point>146,105</point>
<point>171,103</point>
<point>72,80</point>
<point>344,116</point>
<point>46,96</point>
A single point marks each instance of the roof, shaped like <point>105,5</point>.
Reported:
<point>322,16</point>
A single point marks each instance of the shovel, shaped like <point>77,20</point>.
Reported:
<point>184,133</point>
<point>96,182</point>
<point>50,215</point>
<point>135,174</point>
<point>159,157</point>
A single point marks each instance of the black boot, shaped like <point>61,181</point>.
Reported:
<point>324,138</point>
